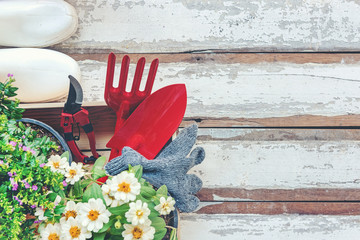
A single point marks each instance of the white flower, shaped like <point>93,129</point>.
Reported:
<point>57,200</point>
<point>165,206</point>
<point>72,210</point>
<point>141,231</point>
<point>73,230</point>
<point>57,164</point>
<point>125,187</point>
<point>51,231</point>
<point>74,173</point>
<point>108,196</point>
<point>94,214</point>
<point>138,212</point>
<point>39,212</point>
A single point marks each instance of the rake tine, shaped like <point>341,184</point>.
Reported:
<point>109,75</point>
<point>151,77</point>
<point>124,73</point>
<point>138,74</point>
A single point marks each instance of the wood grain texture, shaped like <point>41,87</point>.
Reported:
<point>268,227</point>
<point>276,208</point>
<point>283,195</point>
<point>181,26</point>
<point>264,90</point>
<point>279,165</point>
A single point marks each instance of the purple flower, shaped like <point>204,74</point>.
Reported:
<point>15,186</point>
<point>10,75</point>
<point>1,162</point>
<point>25,148</point>
<point>64,183</point>
<point>17,199</point>
<point>32,151</point>
<point>10,174</point>
<point>34,187</point>
<point>33,206</point>
<point>12,143</point>
<point>42,165</point>
<point>23,137</point>
<point>11,180</point>
<point>37,221</point>
<point>27,185</point>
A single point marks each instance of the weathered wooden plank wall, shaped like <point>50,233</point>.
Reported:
<point>274,87</point>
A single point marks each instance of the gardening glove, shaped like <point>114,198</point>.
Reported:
<point>169,168</point>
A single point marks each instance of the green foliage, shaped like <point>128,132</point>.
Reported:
<point>24,183</point>
<point>8,105</point>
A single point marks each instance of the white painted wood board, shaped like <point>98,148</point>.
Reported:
<point>177,25</point>
<point>279,164</point>
<point>258,90</point>
<point>268,227</point>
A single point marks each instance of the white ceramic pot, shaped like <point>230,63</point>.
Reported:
<point>36,23</point>
<point>41,74</point>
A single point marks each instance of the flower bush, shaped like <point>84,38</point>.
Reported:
<point>124,207</point>
<point>8,106</point>
<point>24,178</point>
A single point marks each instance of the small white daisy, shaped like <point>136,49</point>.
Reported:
<point>125,187</point>
<point>141,231</point>
<point>73,230</point>
<point>72,209</point>
<point>51,232</point>
<point>94,214</point>
<point>165,206</point>
<point>39,212</point>
<point>138,212</point>
<point>74,172</point>
<point>57,164</point>
<point>109,197</point>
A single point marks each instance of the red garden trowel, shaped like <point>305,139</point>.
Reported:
<point>153,122</point>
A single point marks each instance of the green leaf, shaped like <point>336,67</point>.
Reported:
<point>162,191</point>
<point>160,234</point>
<point>22,126</point>
<point>78,191</point>
<point>97,171</point>
<point>65,155</point>
<point>173,234</point>
<point>99,236</point>
<point>59,209</point>
<point>120,210</point>
<point>138,171</point>
<point>158,223</point>
<point>52,196</point>
<point>93,191</point>
<point>147,192</point>
<point>107,225</point>
<point>85,183</point>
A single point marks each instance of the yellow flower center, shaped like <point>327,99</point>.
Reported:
<point>139,213</point>
<point>93,215</point>
<point>165,205</point>
<point>72,172</point>
<point>137,232</point>
<point>124,187</point>
<point>75,231</point>
<point>53,236</point>
<point>56,164</point>
<point>70,213</point>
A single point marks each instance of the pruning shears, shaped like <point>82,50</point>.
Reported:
<point>74,115</point>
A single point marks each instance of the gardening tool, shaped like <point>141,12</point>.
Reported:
<point>153,122</point>
<point>122,102</point>
<point>73,114</point>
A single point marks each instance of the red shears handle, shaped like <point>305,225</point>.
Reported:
<point>82,118</point>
